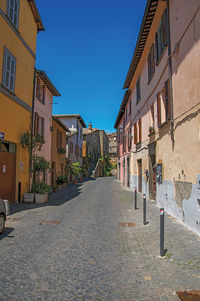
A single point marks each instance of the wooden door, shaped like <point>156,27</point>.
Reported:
<point>7,176</point>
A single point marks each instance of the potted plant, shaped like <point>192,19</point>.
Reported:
<point>60,181</point>
<point>41,191</point>
<point>151,130</point>
<point>75,170</point>
<point>31,144</point>
<point>61,150</point>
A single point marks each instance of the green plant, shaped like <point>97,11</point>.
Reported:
<point>61,180</point>
<point>76,169</point>
<point>32,146</point>
<point>151,129</point>
<point>40,164</point>
<point>61,150</point>
<point>41,188</point>
<point>84,170</point>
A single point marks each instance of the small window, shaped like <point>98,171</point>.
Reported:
<point>9,70</point>
<point>161,36</point>
<point>163,105</point>
<point>151,63</point>
<point>138,96</point>
<point>13,11</point>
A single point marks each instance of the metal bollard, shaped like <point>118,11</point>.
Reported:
<point>162,251</point>
<point>144,209</point>
<point>135,199</point>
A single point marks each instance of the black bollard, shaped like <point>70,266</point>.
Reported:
<point>144,209</point>
<point>135,199</point>
<point>162,251</point>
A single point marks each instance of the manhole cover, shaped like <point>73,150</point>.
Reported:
<point>126,224</point>
<point>48,223</point>
<point>13,219</point>
<point>189,295</point>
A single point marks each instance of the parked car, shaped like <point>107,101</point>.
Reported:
<point>2,215</point>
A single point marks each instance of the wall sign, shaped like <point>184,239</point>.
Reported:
<point>2,135</point>
<point>4,168</point>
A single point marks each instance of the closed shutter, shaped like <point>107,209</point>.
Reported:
<point>9,71</point>
<point>158,110</point>
<point>140,129</point>
<point>167,101</point>
<point>43,94</point>
<point>135,133</point>
<point>42,127</point>
<point>13,11</point>
<point>164,28</point>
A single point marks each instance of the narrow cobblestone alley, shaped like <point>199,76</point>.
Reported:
<point>76,247</point>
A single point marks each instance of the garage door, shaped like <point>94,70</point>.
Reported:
<point>7,176</point>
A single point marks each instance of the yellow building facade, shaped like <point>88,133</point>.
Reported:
<point>19,24</point>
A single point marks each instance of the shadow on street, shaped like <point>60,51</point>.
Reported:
<point>6,233</point>
<point>57,198</point>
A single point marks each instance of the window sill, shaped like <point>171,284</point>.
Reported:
<point>165,123</point>
<point>8,90</point>
<point>12,24</point>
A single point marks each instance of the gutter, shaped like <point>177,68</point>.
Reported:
<point>170,72</point>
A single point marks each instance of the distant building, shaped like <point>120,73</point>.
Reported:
<point>74,140</point>
<point>113,147</point>
<point>95,145</point>
<point>42,123</point>
<point>58,150</point>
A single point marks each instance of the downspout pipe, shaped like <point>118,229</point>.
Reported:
<point>170,71</point>
<point>32,121</point>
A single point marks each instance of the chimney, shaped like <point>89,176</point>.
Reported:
<point>90,126</point>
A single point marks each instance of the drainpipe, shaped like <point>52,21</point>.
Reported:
<point>170,71</point>
<point>32,120</point>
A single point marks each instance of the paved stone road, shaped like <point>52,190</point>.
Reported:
<point>88,255</point>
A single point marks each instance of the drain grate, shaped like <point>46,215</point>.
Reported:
<point>126,224</point>
<point>189,295</point>
<point>49,223</point>
<point>13,219</point>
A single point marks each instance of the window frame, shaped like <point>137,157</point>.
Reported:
<point>7,54</point>
<point>8,8</point>
<point>138,91</point>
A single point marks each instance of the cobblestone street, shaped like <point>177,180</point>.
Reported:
<point>76,247</point>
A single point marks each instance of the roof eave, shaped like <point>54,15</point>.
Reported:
<point>36,15</point>
<point>47,82</point>
<point>122,107</point>
<point>150,10</point>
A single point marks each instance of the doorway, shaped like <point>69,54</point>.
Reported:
<point>152,172</point>
<point>139,175</point>
<point>128,172</point>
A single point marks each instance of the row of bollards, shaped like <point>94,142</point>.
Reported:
<point>162,250</point>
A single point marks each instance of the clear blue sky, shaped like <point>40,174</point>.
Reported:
<point>86,51</point>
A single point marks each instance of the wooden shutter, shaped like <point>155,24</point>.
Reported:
<point>149,66</point>
<point>9,72</point>
<point>158,110</point>
<point>152,59</point>
<point>157,48</point>
<point>42,127</point>
<point>43,94</point>
<point>15,12</point>
<point>164,28</point>
<point>135,133</point>
<point>38,89</point>
<point>140,129</point>
<point>167,101</point>
<point>60,139</point>
<point>57,140</point>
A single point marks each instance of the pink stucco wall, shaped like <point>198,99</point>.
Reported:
<point>45,111</point>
